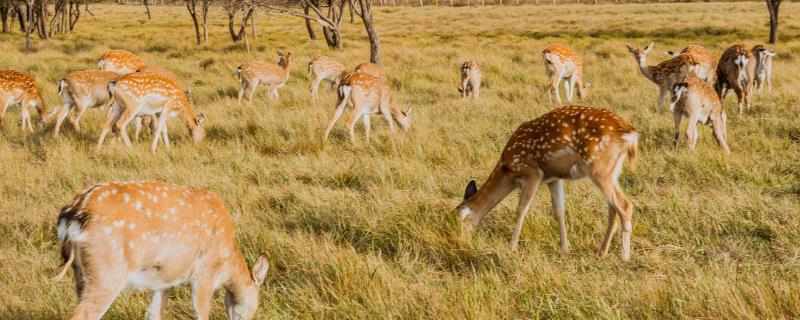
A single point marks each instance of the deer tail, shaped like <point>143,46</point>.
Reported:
<point>633,148</point>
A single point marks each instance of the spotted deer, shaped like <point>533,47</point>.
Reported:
<point>253,73</point>
<point>694,99</point>
<point>147,94</point>
<point>155,236</point>
<point>664,74</point>
<point>18,87</point>
<point>470,79</point>
<point>736,71</point>
<point>568,143</point>
<point>561,63</point>
<point>373,69</point>
<point>763,72</point>
<point>325,68</point>
<point>367,95</point>
<point>80,91</point>
<point>120,61</point>
<point>707,62</point>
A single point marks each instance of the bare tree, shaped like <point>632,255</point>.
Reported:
<point>234,8</point>
<point>328,13</point>
<point>147,7</point>
<point>773,6</point>
<point>309,27</point>
<point>205,6</point>
<point>372,34</point>
<point>191,6</point>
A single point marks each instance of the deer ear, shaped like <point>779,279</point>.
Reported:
<point>472,189</point>
<point>279,53</point>
<point>631,49</point>
<point>671,53</point>
<point>200,119</point>
<point>260,269</point>
<point>408,110</point>
<point>648,48</point>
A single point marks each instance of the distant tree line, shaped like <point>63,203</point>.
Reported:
<point>46,18</point>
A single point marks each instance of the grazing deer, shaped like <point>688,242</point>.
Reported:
<point>155,236</point>
<point>120,61</point>
<point>693,98</point>
<point>147,94</point>
<point>253,73</point>
<point>82,90</point>
<point>18,87</point>
<point>736,70</point>
<point>367,95</point>
<point>569,143</point>
<point>561,63</point>
<point>325,68</point>
<point>664,74</point>
<point>470,79</point>
<point>763,67</point>
<point>373,69</point>
<point>705,59</point>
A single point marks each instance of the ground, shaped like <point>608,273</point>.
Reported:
<point>367,231</point>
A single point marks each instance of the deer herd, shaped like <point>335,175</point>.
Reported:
<point>155,236</point>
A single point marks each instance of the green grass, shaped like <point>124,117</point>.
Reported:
<point>366,231</point>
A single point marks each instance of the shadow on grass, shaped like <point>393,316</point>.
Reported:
<point>728,33</point>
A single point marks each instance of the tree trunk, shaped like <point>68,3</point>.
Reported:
<point>253,24</point>
<point>21,16</point>
<point>206,5</point>
<point>309,27</point>
<point>147,7</point>
<point>4,15</point>
<point>773,6</point>
<point>374,39</point>
<point>191,6</point>
<point>332,38</point>
<point>29,24</point>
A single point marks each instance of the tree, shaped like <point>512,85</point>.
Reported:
<point>773,6</point>
<point>191,6</point>
<point>327,13</point>
<point>372,34</point>
<point>147,7</point>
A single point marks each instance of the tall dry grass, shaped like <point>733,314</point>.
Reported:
<point>366,231</point>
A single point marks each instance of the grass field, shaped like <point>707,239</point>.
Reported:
<point>366,231</point>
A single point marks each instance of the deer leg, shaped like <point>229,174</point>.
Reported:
<point>476,88</point>
<point>122,125</point>
<point>719,127</point>
<point>76,121</point>
<point>242,89</point>
<point>202,291</point>
<point>569,88</point>
<point>676,116</point>
<point>113,115</point>
<point>314,88</point>
<point>662,96</point>
<point>97,298</point>
<point>557,197</point>
<point>555,81</point>
<point>336,115</point>
<point>691,132</point>
<point>740,97</point>
<point>769,82</point>
<point>157,303</point>
<point>137,128</point>
<point>26,116</point>
<point>251,90</point>
<point>162,123</point>
<point>529,186</point>
<point>464,87</point>
<point>365,119</point>
<point>617,203</point>
<point>351,123</point>
<point>65,109</point>
<point>4,107</point>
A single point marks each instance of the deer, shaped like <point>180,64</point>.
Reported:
<point>147,94</point>
<point>664,74</point>
<point>696,100</point>
<point>470,79</point>
<point>155,236</point>
<point>120,61</point>
<point>373,69</point>
<point>325,68</point>
<point>736,71</point>
<point>253,73</point>
<point>705,59</point>
<point>561,63</point>
<point>567,143</point>
<point>18,87</point>
<point>80,91</point>
<point>763,72</point>
<point>367,95</point>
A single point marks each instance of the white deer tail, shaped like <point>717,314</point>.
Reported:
<point>741,61</point>
<point>62,86</point>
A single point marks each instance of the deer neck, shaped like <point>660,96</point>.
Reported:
<point>646,70</point>
<point>499,184</point>
<point>239,276</point>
